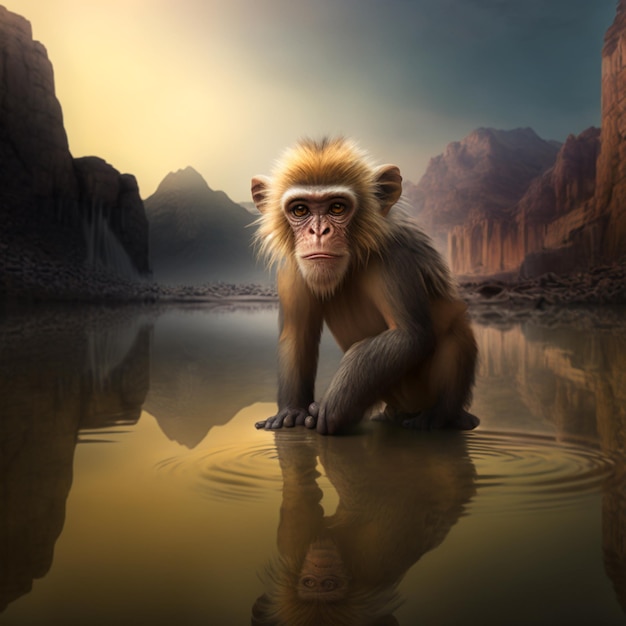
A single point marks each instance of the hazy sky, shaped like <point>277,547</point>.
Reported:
<point>224,85</point>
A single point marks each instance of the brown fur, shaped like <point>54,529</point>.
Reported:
<point>383,290</point>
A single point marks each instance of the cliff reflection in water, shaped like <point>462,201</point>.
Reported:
<point>66,374</point>
<point>60,372</point>
<point>569,377</point>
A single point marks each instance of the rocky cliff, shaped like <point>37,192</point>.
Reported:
<point>198,235</point>
<point>491,242</point>
<point>478,180</point>
<point>558,210</point>
<point>503,210</point>
<point>591,230</point>
<point>48,200</point>
<point>110,201</point>
<point>610,198</point>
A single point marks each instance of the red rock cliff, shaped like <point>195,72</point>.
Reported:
<point>477,181</point>
<point>611,182</point>
<point>535,234</point>
<point>591,230</point>
<point>503,218</point>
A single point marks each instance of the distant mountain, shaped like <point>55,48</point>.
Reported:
<point>487,172</point>
<point>520,239</point>
<point>198,235</point>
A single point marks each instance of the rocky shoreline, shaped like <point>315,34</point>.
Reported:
<point>52,282</point>
<point>602,289</point>
<point>602,285</point>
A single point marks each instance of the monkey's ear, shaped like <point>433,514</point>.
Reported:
<point>389,183</point>
<point>259,188</point>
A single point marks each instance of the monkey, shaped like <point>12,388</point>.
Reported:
<point>375,279</point>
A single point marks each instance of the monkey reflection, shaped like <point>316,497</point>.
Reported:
<point>344,568</point>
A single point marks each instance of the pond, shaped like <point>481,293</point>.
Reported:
<point>135,489</point>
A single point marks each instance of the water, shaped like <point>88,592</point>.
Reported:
<point>135,489</point>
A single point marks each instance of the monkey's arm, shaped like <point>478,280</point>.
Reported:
<point>373,365</point>
<point>301,513</point>
<point>298,347</point>
<point>368,370</point>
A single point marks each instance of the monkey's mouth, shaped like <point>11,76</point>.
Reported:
<point>321,256</point>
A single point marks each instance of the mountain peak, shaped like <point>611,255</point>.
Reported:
<point>187,178</point>
<point>197,234</point>
<point>510,140</point>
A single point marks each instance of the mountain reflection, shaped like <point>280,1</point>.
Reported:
<point>208,365</point>
<point>60,371</point>
<point>569,377</point>
<point>399,497</point>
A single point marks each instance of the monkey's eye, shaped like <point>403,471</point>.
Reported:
<point>329,584</point>
<point>299,210</point>
<point>337,208</point>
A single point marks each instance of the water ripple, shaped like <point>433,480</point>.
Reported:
<point>513,472</point>
<point>534,472</point>
<point>229,473</point>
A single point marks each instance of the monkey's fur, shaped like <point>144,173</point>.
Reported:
<point>374,277</point>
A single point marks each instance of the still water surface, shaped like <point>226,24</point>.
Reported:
<point>134,488</point>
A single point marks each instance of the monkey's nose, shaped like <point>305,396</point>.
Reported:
<point>320,231</point>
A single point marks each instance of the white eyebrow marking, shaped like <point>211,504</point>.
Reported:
<point>317,192</point>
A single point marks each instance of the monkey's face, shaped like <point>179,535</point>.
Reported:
<point>323,576</point>
<point>324,210</point>
<point>320,218</point>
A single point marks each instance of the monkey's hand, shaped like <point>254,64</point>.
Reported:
<point>290,417</point>
<point>334,417</point>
